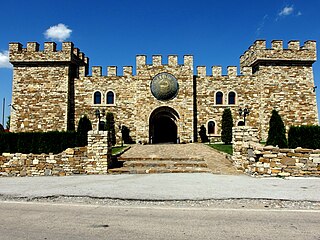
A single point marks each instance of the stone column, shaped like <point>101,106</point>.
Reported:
<point>97,162</point>
<point>243,138</point>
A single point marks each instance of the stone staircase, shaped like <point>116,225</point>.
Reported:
<point>142,165</point>
<point>173,158</point>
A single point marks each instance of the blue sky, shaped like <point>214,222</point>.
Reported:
<point>114,32</point>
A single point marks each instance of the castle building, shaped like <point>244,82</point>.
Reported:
<point>162,102</point>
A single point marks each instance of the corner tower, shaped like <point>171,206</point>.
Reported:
<point>287,82</point>
<point>43,86</point>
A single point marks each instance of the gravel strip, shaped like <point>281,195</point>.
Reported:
<point>212,203</point>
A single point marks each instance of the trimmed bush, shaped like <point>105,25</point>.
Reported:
<point>227,124</point>
<point>203,134</point>
<point>37,142</point>
<point>277,131</point>
<point>84,126</point>
<point>110,126</point>
<point>304,136</point>
<point>125,132</point>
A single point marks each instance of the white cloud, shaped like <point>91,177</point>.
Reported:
<point>286,11</point>
<point>58,32</point>
<point>4,60</point>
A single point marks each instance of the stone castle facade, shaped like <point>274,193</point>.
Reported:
<point>162,102</point>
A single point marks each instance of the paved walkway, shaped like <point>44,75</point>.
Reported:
<point>217,162</point>
<point>172,186</point>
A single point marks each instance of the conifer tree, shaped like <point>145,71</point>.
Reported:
<point>227,124</point>
<point>110,126</point>
<point>84,126</point>
<point>203,134</point>
<point>277,131</point>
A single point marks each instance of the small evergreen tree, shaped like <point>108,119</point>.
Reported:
<point>203,134</point>
<point>110,126</point>
<point>126,138</point>
<point>84,126</point>
<point>1,128</point>
<point>277,131</point>
<point>226,128</point>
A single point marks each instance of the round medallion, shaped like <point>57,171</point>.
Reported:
<point>164,86</point>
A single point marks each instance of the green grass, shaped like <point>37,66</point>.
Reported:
<point>117,149</point>
<point>222,147</point>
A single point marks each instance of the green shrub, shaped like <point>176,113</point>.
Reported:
<point>226,128</point>
<point>125,132</point>
<point>110,126</point>
<point>84,126</point>
<point>277,131</point>
<point>304,136</point>
<point>37,142</point>
<point>203,134</point>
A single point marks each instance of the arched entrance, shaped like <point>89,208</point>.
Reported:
<point>162,125</point>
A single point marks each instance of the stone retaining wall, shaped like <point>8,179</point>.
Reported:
<point>80,160</point>
<point>70,161</point>
<point>255,159</point>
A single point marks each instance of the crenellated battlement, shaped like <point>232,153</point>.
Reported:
<point>33,54</point>
<point>216,71</point>
<point>112,71</point>
<point>157,60</point>
<point>258,52</point>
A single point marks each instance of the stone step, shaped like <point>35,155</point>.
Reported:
<point>165,164</point>
<point>126,159</point>
<point>127,170</point>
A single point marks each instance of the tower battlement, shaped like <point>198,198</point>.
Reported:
<point>258,52</point>
<point>33,54</point>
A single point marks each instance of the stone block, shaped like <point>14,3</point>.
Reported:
<point>316,160</point>
<point>288,161</point>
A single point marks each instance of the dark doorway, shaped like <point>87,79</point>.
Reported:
<point>163,127</point>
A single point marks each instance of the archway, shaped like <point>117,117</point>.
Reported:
<point>162,126</point>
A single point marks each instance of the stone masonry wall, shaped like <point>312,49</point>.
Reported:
<point>255,159</point>
<point>134,102</point>
<point>247,89</point>
<point>80,160</point>
<point>275,78</point>
<point>68,162</point>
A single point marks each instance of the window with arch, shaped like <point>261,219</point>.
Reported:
<point>110,97</point>
<point>232,98</point>
<point>219,98</point>
<point>97,97</point>
<point>211,127</point>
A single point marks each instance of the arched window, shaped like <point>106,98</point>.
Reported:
<point>232,98</point>
<point>97,98</point>
<point>219,98</point>
<point>110,97</point>
<point>211,127</point>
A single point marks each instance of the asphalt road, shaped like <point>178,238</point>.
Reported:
<point>72,221</point>
<point>197,186</point>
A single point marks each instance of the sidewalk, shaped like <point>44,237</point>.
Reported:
<point>196,186</point>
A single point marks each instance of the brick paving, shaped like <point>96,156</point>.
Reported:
<point>217,162</point>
